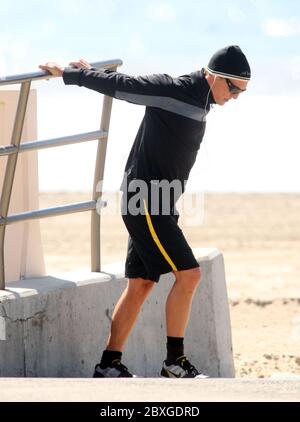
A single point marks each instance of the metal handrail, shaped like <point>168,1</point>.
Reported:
<point>36,76</point>
<point>49,212</point>
<point>55,142</point>
<point>13,150</point>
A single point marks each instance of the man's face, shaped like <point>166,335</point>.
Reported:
<point>224,90</point>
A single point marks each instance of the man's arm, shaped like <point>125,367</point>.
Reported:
<point>144,90</point>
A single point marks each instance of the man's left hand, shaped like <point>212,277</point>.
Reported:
<point>81,64</point>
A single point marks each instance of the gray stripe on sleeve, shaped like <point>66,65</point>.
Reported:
<point>165,103</point>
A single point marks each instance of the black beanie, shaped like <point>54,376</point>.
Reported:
<point>230,62</point>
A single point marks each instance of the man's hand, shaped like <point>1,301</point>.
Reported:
<point>58,70</point>
<point>81,64</point>
<point>53,68</point>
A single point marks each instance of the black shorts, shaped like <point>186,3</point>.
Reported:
<point>156,245</point>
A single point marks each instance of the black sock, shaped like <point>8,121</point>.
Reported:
<point>108,356</point>
<point>174,349</point>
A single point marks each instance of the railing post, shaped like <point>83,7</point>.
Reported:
<point>98,185</point>
<point>10,170</point>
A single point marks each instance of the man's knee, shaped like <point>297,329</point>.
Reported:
<point>189,279</point>
<point>140,286</point>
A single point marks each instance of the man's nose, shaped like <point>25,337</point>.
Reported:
<point>235,96</point>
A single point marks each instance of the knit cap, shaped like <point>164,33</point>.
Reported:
<point>230,62</point>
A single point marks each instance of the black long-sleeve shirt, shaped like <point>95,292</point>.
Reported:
<point>170,134</point>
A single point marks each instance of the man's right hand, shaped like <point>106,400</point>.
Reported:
<point>53,68</point>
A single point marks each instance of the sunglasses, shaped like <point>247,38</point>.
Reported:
<point>233,89</point>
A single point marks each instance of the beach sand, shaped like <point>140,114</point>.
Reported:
<point>259,236</point>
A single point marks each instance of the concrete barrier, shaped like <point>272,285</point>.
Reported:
<point>57,326</point>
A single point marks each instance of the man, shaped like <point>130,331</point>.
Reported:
<point>164,150</point>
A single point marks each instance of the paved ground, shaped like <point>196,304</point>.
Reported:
<point>147,389</point>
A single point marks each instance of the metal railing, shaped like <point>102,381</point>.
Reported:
<point>13,150</point>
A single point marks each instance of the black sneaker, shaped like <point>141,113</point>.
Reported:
<point>115,370</point>
<point>182,368</point>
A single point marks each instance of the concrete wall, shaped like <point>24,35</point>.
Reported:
<point>23,247</point>
<point>57,327</point>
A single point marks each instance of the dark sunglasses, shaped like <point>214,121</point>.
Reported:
<point>233,89</point>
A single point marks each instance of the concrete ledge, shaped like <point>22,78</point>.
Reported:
<point>147,389</point>
<point>57,326</point>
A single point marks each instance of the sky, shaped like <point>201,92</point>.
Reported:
<point>251,144</point>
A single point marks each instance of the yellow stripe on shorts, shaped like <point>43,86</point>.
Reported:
<point>156,239</point>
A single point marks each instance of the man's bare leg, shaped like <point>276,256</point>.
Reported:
<point>126,311</point>
<point>179,301</point>
<point>178,307</point>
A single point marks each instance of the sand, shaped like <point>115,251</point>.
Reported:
<point>259,236</point>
